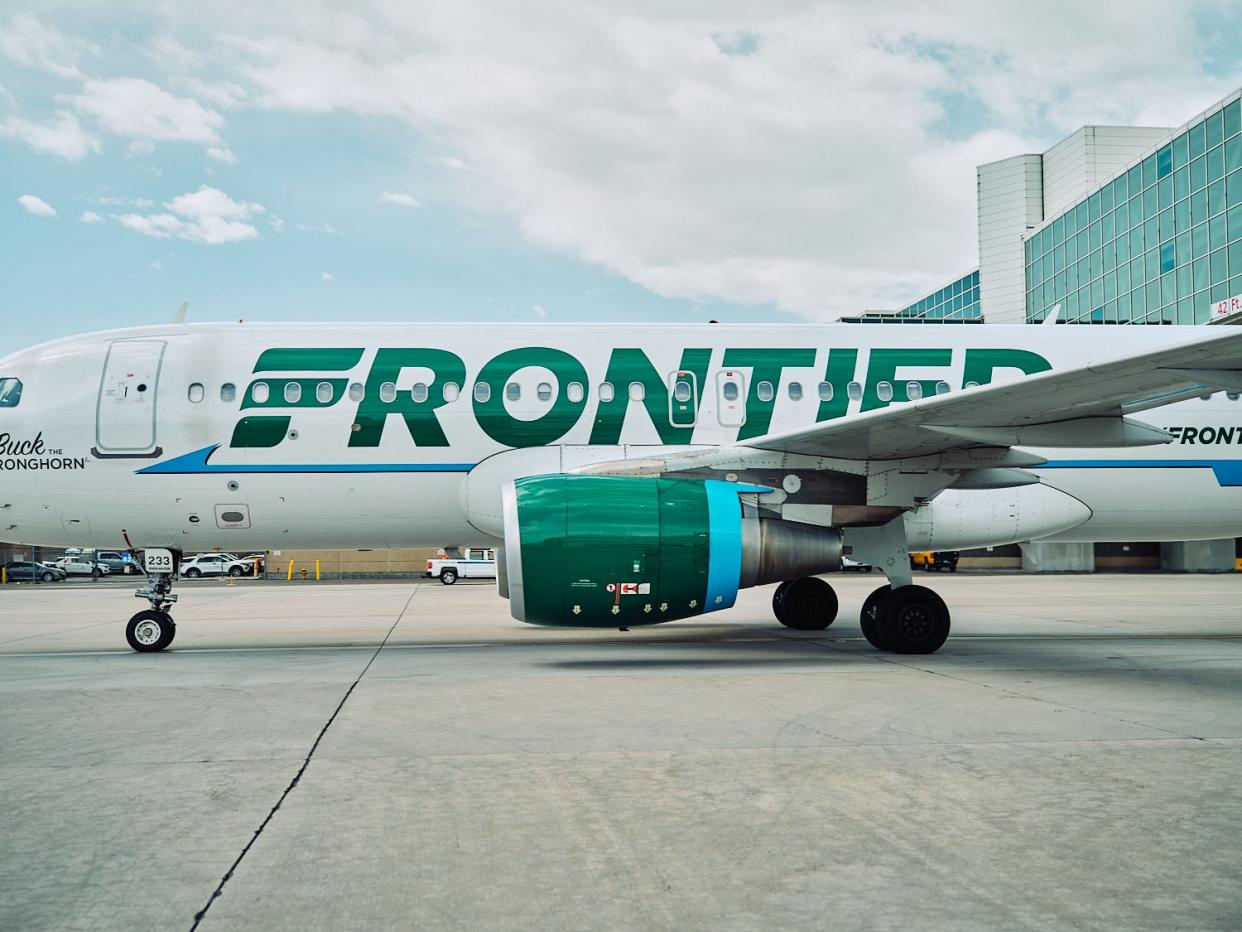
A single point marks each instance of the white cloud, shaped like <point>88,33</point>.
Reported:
<point>157,265</point>
<point>62,135</point>
<point>400,199</point>
<point>452,163</point>
<point>539,310</point>
<point>139,202</point>
<point>207,216</point>
<point>36,205</point>
<point>139,147</point>
<point>28,42</point>
<point>315,228</point>
<point>325,276</point>
<point>136,109</point>
<point>89,216</point>
<point>225,94</point>
<point>222,154</point>
<point>799,154</point>
<point>276,223</point>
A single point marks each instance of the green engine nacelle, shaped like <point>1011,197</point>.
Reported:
<point>614,552</point>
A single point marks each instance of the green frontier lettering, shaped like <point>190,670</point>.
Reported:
<point>263,430</point>
<point>883,364</point>
<point>494,417</point>
<point>419,416</point>
<point>980,363</point>
<point>766,366</point>
<point>628,365</point>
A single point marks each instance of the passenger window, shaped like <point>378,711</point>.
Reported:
<point>795,391</point>
<point>544,391</point>
<point>513,391</point>
<point>356,391</point>
<point>293,392</point>
<point>575,392</point>
<point>482,392</point>
<point>971,385</point>
<point>260,393</point>
<point>853,391</point>
<point>943,388</point>
<point>196,392</point>
<point>388,392</point>
<point>451,391</point>
<point>419,392</point>
<point>764,391</point>
<point>682,391</point>
<point>638,391</point>
<point>606,392</point>
<point>323,393</point>
<point>1232,396</point>
<point>10,392</point>
<point>914,390</point>
<point>228,391</point>
<point>730,391</point>
<point>825,391</point>
<point>884,391</point>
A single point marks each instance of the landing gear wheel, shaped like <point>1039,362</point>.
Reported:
<point>150,631</point>
<point>913,620</point>
<point>807,604</point>
<point>870,614</point>
<point>448,577</point>
<point>777,604</point>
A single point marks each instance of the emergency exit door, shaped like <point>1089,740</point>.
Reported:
<point>125,415</point>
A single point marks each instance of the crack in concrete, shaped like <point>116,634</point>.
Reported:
<point>297,777</point>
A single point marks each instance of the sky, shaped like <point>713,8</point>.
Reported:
<point>451,162</point>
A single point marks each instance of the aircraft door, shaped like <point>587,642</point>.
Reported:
<point>125,412</point>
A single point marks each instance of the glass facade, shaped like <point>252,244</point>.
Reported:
<point>958,300</point>
<point>1158,244</point>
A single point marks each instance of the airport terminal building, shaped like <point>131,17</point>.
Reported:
<point>1112,225</point>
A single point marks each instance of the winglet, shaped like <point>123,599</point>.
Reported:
<point>179,317</point>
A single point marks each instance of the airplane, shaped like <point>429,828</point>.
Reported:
<point>627,475</point>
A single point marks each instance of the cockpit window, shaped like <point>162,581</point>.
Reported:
<point>10,392</point>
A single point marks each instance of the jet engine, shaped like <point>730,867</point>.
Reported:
<point>614,552</point>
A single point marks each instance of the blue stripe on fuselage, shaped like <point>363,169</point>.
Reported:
<point>1227,472</point>
<point>196,463</point>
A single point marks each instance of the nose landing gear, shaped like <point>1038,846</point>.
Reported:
<point>153,629</point>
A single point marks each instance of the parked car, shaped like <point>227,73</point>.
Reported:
<point>79,566</point>
<point>935,561</point>
<point>853,566</point>
<point>476,564</point>
<point>114,560</point>
<point>23,570</point>
<point>214,564</point>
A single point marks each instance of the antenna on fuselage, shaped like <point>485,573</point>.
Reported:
<point>179,317</point>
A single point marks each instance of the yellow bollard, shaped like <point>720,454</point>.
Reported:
<point>4,576</point>
<point>290,579</point>
<point>316,571</point>
<point>255,567</point>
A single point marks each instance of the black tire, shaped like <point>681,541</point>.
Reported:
<point>193,573</point>
<point>448,577</point>
<point>48,577</point>
<point>953,568</point>
<point>150,631</point>
<point>807,604</point>
<point>869,616</point>
<point>96,572</point>
<point>777,608</point>
<point>235,571</point>
<point>913,620</point>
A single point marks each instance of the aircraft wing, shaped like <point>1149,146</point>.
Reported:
<point>1083,406</point>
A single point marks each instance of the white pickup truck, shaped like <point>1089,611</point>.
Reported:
<point>476,563</point>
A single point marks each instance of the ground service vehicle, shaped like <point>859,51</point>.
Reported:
<point>476,564</point>
<point>935,561</point>
<point>625,475</point>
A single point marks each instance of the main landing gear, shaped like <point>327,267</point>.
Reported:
<point>905,620</point>
<point>153,629</point>
<point>807,604</point>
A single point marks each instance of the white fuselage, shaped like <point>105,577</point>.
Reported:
<point>136,434</point>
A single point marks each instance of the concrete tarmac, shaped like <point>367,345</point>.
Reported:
<point>406,756</point>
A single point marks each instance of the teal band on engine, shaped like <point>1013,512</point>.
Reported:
<point>724,557</point>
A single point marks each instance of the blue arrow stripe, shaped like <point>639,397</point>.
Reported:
<point>196,463</point>
<point>1227,472</point>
